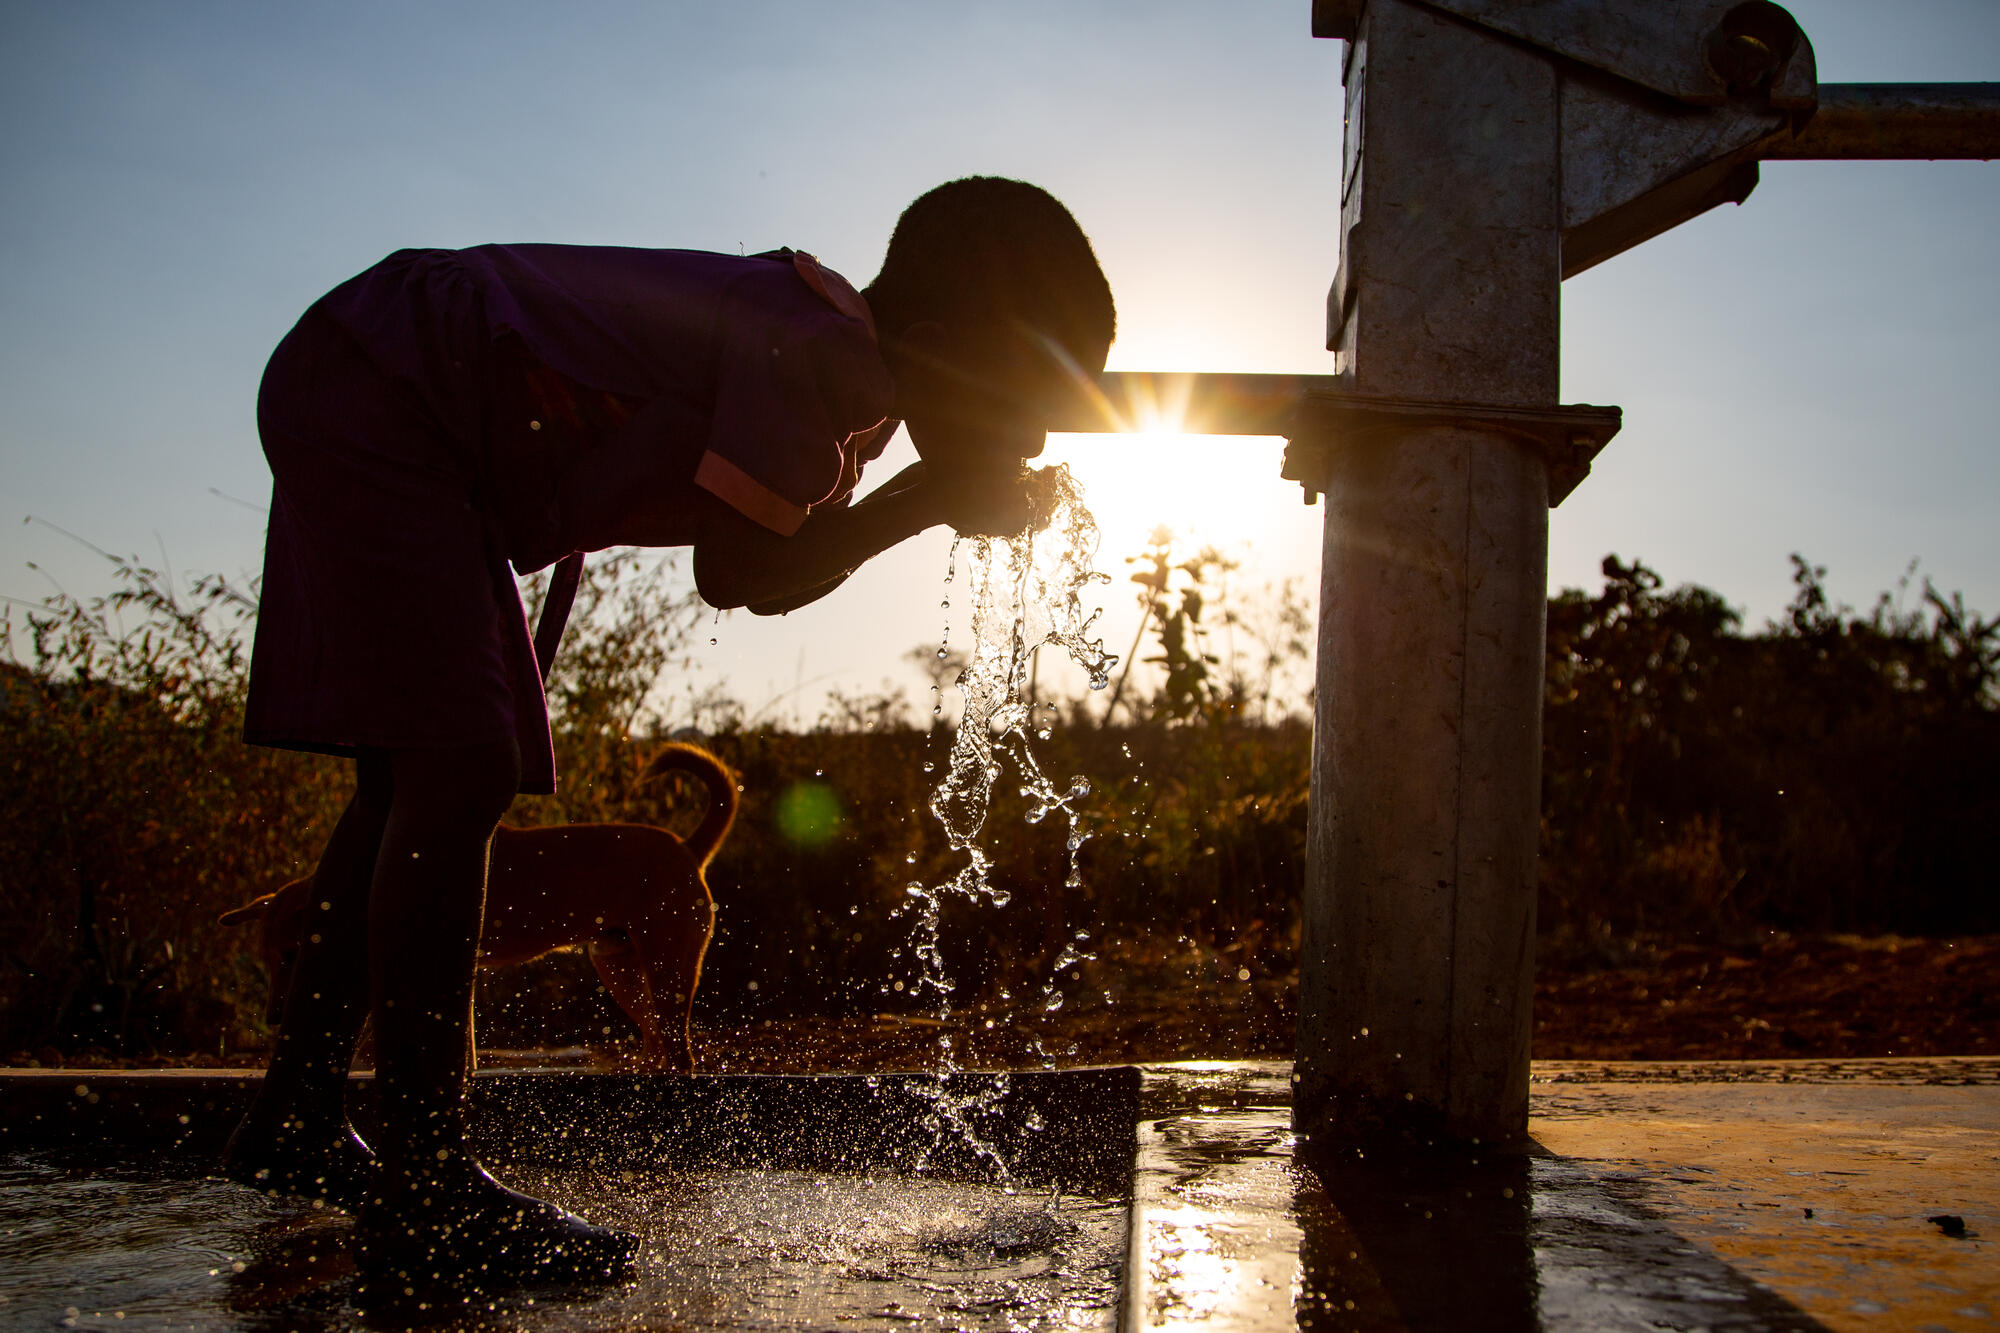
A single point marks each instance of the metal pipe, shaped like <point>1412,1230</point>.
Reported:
<point>1191,403</point>
<point>1897,120</point>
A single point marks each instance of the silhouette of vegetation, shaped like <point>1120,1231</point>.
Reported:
<point>1831,771</point>
<point>132,815</point>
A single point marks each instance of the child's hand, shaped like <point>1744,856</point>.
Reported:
<point>985,501</point>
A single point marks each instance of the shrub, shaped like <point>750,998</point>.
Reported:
<point>132,815</point>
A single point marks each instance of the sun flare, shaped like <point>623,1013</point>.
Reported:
<point>1220,490</point>
<point>1160,469</point>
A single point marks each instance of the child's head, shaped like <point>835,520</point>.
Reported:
<point>991,308</point>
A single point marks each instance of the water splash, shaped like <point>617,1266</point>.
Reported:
<point>1025,593</point>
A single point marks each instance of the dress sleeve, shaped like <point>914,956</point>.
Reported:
<point>799,398</point>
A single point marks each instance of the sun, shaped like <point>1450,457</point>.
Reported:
<point>1220,490</point>
<point>1161,471</point>
<point>1156,473</point>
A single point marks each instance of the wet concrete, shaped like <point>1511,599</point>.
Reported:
<point>973,1201</point>
<point>1779,1195</point>
<point>152,1244</point>
<point>1820,1191</point>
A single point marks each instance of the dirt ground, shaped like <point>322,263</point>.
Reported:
<point>1835,997</point>
<point>1840,997</point>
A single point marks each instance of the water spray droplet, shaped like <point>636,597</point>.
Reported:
<point>1025,595</point>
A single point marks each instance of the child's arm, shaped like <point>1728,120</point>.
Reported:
<point>778,606</point>
<point>739,562</point>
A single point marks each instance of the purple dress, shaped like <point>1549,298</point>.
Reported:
<point>425,419</point>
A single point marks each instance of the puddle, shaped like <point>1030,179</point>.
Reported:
<point>135,1243</point>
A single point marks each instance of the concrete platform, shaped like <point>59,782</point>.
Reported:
<point>1776,1195</point>
<point>1780,1195</point>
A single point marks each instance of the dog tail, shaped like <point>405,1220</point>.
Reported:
<point>721,784</point>
<point>250,911</point>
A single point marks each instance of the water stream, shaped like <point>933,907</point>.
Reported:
<point>1021,594</point>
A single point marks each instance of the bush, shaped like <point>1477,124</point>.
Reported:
<point>1833,771</point>
<point>132,815</point>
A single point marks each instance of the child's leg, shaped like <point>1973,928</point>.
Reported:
<point>425,909</point>
<point>435,1217</point>
<point>295,1139</point>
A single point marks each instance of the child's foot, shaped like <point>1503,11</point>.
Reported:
<point>435,1241</point>
<point>334,1168</point>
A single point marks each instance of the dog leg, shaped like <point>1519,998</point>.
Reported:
<point>619,969</point>
<point>672,953</point>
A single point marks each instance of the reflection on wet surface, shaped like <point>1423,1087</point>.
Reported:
<point>1727,1198</point>
<point>132,1245</point>
<point>1644,1204</point>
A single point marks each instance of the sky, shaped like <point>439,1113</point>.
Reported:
<point>1811,372</point>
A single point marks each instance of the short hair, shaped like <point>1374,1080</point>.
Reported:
<point>985,247</point>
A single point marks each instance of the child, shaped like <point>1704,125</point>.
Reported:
<point>448,414</point>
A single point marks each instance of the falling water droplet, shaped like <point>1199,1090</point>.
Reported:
<point>1025,594</point>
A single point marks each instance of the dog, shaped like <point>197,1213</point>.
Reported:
<point>634,896</point>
